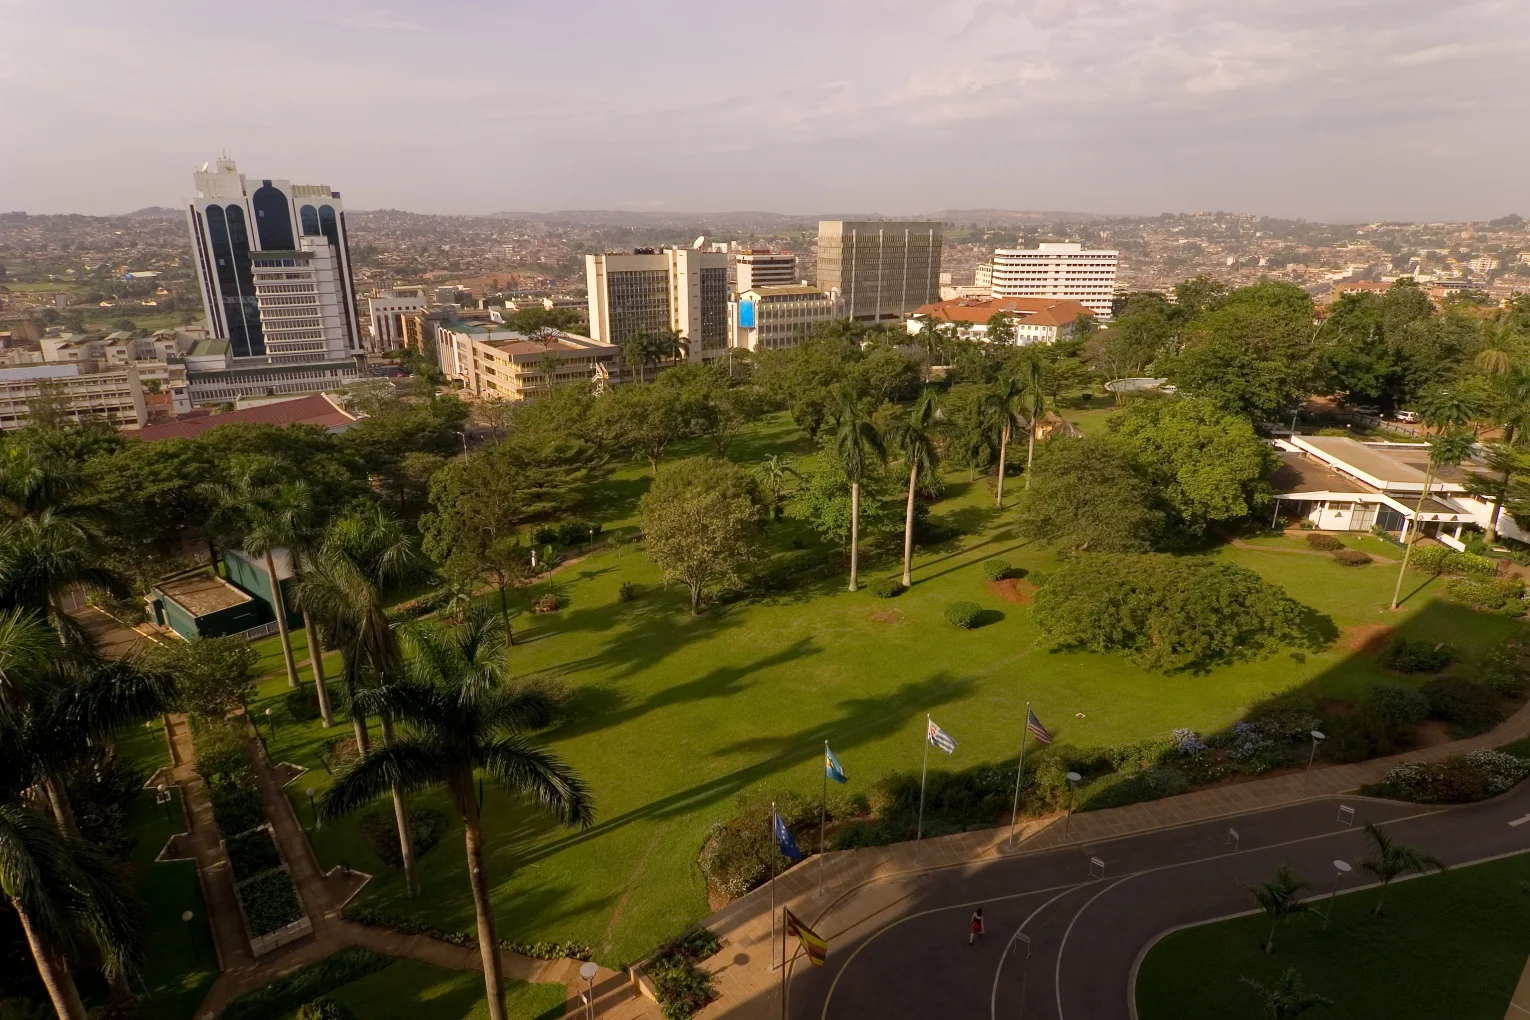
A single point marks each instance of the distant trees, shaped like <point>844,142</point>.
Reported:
<point>701,523</point>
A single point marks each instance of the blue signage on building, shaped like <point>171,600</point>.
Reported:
<point>746,315</point>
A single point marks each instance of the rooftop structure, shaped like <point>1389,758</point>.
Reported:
<point>317,410</point>
<point>1035,320</point>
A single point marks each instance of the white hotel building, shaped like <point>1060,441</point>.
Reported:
<point>1057,270</point>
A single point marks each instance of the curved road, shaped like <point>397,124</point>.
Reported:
<point>900,950</point>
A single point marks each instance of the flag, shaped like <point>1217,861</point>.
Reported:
<point>813,944</point>
<point>785,840</point>
<point>1037,730</point>
<point>832,768</point>
<point>940,738</point>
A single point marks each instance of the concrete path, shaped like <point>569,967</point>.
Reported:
<point>882,879</point>
<point>323,897</point>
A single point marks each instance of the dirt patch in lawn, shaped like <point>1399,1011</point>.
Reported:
<point>1367,638</point>
<point>884,616</point>
<point>1013,589</point>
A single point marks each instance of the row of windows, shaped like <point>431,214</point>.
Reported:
<point>274,263</point>
<point>264,277</point>
<point>288,288</point>
<point>266,300</point>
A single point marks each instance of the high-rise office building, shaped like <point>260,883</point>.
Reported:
<point>763,269</point>
<point>234,225</point>
<point>1057,270</point>
<point>679,289</point>
<point>396,318</point>
<point>884,270</point>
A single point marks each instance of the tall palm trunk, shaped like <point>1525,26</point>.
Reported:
<point>63,811</point>
<point>488,934</point>
<point>855,531</point>
<point>1418,512</point>
<point>504,611</point>
<point>908,527</point>
<point>998,500</point>
<point>1030,452</point>
<point>316,663</point>
<point>281,620</point>
<point>54,971</point>
<point>401,819</point>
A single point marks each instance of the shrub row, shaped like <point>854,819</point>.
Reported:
<point>567,533</point>
<point>1406,656</point>
<point>411,924</point>
<point>1437,559</point>
<point>682,987</point>
<point>324,1008</point>
<point>1351,558</point>
<point>252,852</point>
<point>1458,780</point>
<point>304,985</point>
<point>1499,594</point>
<point>270,901</point>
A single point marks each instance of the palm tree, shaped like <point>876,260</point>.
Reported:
<point>916,435</point>
<point>1278,898</point>
<point>1286,998</point>
<point>1007,401</point>
<point>773,471</point>
<point>1034,403</point>
<point>1389,859</point>
<point>460,717</point>
<point>304,548</point>
<point>266,516</point>
<point>859,447</point>
<point>640,350</point>
<point>43,556</point>
<point>1512,399</point>
<point>365,552</point>
<point>1446,449</point>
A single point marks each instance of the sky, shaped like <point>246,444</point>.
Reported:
<point>1339,110</point>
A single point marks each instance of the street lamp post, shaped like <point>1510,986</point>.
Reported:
<point>1317,738</point>
<point>464,442</point>
<point>191,936</point>
<point>271,721</point>
<point>164,798</point>
<point>311,809</point>
<point>588,971</point>
<point>1073,780</point>
<point>1340,869</point>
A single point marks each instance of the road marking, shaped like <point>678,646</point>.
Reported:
<point>1519,821</point>
<point>1057,971</point>
<point>993,1002</point>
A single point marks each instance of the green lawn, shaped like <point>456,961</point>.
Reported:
<point>671,718</point>
<point>419,991</point>
<point>1450,945</point>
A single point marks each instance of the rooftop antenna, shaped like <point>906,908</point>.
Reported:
<point>701,239</point>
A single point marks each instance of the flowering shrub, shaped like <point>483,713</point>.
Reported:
<point>1458,780</point>
<point>1247,741</point>
<point>1189,742</point>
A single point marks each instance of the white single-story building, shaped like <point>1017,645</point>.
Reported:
<point>1342,484</point>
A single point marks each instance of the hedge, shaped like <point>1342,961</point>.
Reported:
<point>682,987</point>
<point>996,570</point>
<point>1351,558</point>
<point>270,902</point>
<point>1457,780</point>
<point>286,994</point>
<point>1437,559</point>
<point>252,852</point>
<point>886,587</point>
<point>1324,543</point>
<point>963,614</point>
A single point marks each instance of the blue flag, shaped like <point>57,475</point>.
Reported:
<point>785,840</point>
<point>832,768</point>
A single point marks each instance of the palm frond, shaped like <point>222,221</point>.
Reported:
<point>406,764</point>
<point>530,771</point>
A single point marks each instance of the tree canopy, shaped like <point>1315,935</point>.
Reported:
<point>701,522</point>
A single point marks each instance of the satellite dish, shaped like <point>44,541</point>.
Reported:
<point>701,239</point>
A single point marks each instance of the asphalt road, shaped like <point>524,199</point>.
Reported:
<point>1088,923</point>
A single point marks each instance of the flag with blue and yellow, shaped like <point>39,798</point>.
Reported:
<point>831,766</point>
<point>784,839</point>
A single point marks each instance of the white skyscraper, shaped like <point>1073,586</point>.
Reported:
<point>1057,270</point>
<point>244,240</point>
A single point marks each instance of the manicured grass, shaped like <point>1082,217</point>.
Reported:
<point>420,991</point>
<point>670,719</point>
<point>1450,945</point>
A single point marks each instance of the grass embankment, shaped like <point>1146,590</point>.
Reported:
<point>1450,945</point>
<point>671,718</point>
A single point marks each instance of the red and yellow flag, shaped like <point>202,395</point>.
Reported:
<point>814,945</point>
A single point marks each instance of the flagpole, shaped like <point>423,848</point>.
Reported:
<point>923,773</point>
<point>773,886</point>
<point>1014,816</point>
<point>783,961</point>
<point>823,816</point>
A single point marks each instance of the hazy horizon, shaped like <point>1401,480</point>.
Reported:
<point>1337,112</point>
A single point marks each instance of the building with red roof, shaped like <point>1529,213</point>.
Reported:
<point>317,410</point>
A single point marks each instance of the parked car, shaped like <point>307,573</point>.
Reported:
<point>1411,417</point>
<point>1373,412</point>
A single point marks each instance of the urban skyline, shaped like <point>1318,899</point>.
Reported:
<point>1312,110</point>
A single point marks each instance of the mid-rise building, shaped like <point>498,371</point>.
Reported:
<point>508,364</point>
<point>397,318</point>
<point>680,289</point>
<point>76,392</point>
<point>763,268</point>
<point>1034,320</point>
<point>1057,270</point>
<point>884,270</point>
<point>772,318</point>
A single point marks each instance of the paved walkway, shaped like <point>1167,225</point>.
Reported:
<point>323,897</point>
<point>748,984</point>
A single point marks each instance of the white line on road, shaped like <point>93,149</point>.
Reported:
<point>1519,821</point>
<point>993,1002</point>
<point>1057,971</point>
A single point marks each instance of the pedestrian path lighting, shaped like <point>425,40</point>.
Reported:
<point>271,721</point>
<point>1317,737</point>
<point>1073,780</point>
<point>1340,869</point>
<point>162,796</point>
<point>311,809</point>
<point>191,935</point>
<point>587,971</point>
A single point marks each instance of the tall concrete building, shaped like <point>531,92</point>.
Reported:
<point>1057,270</point>
<point>884,270</point>
<point>234,222</point>
<point>679,289</point>
<point>753,269</point>
<point>396,318</point>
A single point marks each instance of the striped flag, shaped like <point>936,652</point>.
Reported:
<point>816,947</point>
<point>1037,730</point>
<point>939,738</point>
<point>832,768</point>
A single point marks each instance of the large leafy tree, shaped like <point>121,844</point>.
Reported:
<point>460,716</point>
<point>976,432</point>
<point>701,522</point>
<point>645,419</point>
<point>1088,494</point>
<point>1208,463</point>
<point>1253,355</point>
<point>917,435</point>
<point>860,451</point>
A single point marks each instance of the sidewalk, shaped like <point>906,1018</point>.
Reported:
<point>323,897</point>
<point>747,984</point>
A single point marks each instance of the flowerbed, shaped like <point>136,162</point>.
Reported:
<point>1458,780</point>
<point>682,987</point>
<point>251,853</point>
<point>270,902</point>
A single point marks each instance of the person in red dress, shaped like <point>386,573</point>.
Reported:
<point>977,925</point>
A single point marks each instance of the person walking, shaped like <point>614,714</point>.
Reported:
<point>977,925</point>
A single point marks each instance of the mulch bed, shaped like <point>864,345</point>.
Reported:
<point>1013,589</point>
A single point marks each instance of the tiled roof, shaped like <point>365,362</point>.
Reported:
<point>314,410</point>
<point>1028,311</point>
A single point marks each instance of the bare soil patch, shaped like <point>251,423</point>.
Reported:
<point>1366,638</point>
<point>1013,589</point>
<point>884,616</point>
